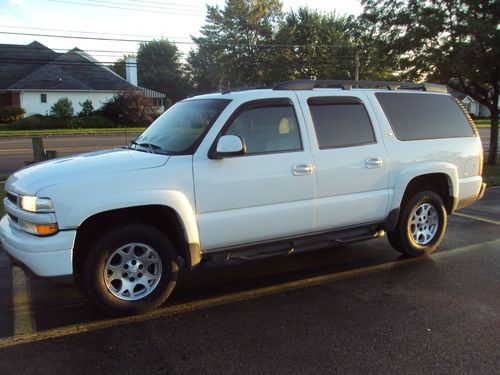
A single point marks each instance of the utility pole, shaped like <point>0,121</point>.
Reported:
<point>356,65</point>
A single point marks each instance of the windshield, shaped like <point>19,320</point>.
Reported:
<point>180,129</point>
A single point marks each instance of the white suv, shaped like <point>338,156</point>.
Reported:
<point>243,174</point>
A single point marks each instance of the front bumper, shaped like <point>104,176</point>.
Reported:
<point>44,256</point>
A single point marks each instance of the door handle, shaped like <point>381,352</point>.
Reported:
<point>373,163</point>
<point>302,169</point>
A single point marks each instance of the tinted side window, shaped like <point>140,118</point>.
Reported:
<point>267,129</point>
<point>424,116</point>
<point>340,122</point>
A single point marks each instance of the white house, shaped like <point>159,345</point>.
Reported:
<point>35,77</point>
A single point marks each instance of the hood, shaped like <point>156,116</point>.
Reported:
<point>39,176</point>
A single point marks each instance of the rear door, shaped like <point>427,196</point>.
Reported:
<point>352,167</point>
<point>268,192</point>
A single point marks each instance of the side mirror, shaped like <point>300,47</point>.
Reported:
<point>228,145</point>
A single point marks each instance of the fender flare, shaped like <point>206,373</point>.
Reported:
<point>407,174</point>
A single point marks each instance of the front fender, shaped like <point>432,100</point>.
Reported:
<point>408,173</point>
<point>75,215</point>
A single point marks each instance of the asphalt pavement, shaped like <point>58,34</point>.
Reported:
<point>357,309</point>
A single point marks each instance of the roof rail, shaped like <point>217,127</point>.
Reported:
<point>244,88</point>
<point>309,84</point>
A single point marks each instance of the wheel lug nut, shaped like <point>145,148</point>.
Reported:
<point>132,279</point>
<point>125,266</point>
<point>134,262</point>
<point>124,275</point>
<point>141,266</point>
<point>139,275</point>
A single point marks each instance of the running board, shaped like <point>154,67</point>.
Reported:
<point>284,247</point>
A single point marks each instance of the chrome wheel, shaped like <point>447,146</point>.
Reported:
<point>424,223</point>
<point>133,271</point>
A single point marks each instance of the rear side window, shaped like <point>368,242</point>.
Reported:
<point>424,116</point>
<point>340,122</point>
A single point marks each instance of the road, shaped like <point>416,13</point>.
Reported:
<point>15,151</point>
<point>353,309</point>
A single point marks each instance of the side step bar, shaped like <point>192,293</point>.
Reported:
<point>284,247</point>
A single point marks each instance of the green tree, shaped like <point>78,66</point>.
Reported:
<point>160,69</point>
<point>237,40</point>
<point>451,41</point>
<point>62,108</point>
<point>314,45</point>
<point>119,66</point>
<point>87,108</point>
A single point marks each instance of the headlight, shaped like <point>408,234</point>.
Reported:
<point>35,204</point>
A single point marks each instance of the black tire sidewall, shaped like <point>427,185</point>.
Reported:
<point>405,239</point>
<point>114,239</point>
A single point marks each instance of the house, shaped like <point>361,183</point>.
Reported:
<point>35,77</point>
<point>471,105</point>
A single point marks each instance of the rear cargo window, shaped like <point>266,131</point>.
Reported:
<point>424,116</point>
<point>340,122</point>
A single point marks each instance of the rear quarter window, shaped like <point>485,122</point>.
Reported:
<point>424,116</point>
<point>340,122</point>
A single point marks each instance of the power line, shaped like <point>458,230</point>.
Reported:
<point>125,8</point>
<point>168,7</point>
<point>167,3</point>
<point>93,32</point>
<point>180,42</point>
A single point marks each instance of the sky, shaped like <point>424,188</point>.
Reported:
<point>130,20</point>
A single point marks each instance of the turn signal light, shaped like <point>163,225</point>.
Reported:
<point>46,229</point>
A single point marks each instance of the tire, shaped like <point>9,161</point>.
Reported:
<point>131,269</point>
<point>421,225</point>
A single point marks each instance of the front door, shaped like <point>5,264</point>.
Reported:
<point>265,194</point>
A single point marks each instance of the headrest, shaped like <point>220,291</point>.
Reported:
<point>284,127</point>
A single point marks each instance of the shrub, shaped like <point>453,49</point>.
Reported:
<point>93,121</point>
<point>37,122</point>
<point>11,114</point>
<point>87,108</point>
<point>130,108</point>
<point>62,108</point>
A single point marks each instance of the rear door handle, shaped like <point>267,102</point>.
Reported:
<point>302,169</point>
<point>373,163</point>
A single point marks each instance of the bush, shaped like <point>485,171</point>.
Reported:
<point>130,108</point>
<point>11,114</point>
<point>87,108</point>
<point>93,121</point>
<point>38,122</point>
<point>62,108</point>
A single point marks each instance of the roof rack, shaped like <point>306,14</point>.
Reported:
<point>309,84</point>
<point>244,88</point>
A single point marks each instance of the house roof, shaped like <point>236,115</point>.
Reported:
<point>36,67</point>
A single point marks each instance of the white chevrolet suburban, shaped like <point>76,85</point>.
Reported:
<point>246,174</point>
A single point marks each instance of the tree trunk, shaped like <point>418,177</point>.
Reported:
<point>492,157</point>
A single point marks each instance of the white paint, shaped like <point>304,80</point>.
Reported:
<point>32,104</point>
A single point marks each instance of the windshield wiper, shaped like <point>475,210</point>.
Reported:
<point>150,146</point>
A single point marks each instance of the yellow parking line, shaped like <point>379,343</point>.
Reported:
<point>478,218</point>
<point>21,302</point>
<point>233,297</point>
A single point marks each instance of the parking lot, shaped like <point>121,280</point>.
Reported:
<point>352,309</point>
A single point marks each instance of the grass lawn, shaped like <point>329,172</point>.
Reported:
<point>491,174</point>
<point>46,132</point>
<point>483,123</point>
